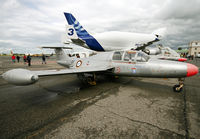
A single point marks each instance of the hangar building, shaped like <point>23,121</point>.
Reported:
<point>194,48</point>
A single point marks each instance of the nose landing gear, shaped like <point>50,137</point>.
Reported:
<point>179,87</point>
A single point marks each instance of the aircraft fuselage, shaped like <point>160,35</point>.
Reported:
<point>136,64</point>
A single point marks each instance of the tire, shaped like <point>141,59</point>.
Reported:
<point>176,88</point>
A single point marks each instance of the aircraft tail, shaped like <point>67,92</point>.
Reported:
<point>61,57</point>
<point>79,35</point>
<point>76,27</point>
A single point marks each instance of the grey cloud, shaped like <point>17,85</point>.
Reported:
<point>37,22</point>
<point>180,9</point>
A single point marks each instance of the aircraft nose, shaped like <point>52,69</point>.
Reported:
<point>191,70</point>
<point>182,59</point>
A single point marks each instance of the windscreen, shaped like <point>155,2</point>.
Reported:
<point>117,55</point>
<point>142,57</point>
<point>129,56</point>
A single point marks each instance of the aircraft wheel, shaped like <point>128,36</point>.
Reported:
<point>91,81</point>
<point>177,88</point>
<point>87,80</point>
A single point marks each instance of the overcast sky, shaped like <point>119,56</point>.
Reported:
<point>27,24</point>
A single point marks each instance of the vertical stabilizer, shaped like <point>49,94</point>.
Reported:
<point>77,33</point>
<point>61,57</point>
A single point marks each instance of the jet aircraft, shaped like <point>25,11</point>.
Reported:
<point>129,63</point>
<point>166,53</point>
<point>115,40</point>
<point>107,41</point>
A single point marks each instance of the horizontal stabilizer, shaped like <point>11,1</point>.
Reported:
<point>78,41</point>
<point>56,47</point>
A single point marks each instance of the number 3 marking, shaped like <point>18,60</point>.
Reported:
<point>71,32</point>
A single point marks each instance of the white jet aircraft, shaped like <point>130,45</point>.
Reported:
<point>115,40</point>
<point>107,41</point>
<point>166,53</point>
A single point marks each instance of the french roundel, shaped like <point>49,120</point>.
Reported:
<point>78,63</point>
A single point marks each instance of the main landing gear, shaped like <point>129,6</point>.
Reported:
<point>179,87</point>
<point>87,78</point>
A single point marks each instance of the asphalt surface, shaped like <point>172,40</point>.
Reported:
<point>61,107</point>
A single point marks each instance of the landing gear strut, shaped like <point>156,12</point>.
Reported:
<point>179,87</point>
<point>87,78</point>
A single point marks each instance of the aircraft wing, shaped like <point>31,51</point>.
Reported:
<point>70,71</point>
<point>29,77</point>
<point>139,47</point>
<point>143,46</point>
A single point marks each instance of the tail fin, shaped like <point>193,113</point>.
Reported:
<point>77,33</point>
<point>61,57</point>
<point>79,30</point>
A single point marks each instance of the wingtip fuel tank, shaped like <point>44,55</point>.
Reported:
<point>20,77</point>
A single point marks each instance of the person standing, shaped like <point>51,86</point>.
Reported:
<point>13,58</point>
<point>18,58</point>
<point>43,59</point>
<point>24,59</point>
<point>29,60</point>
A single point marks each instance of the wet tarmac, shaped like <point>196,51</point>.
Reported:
<point>61,107</point>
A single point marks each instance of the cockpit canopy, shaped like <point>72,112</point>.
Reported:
<point>130,56</point>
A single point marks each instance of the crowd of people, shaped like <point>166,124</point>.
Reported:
<point>186,55</point>
<point>27,59</point>
<point>189,57</point>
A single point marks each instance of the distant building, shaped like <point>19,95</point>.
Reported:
<point>194,48</point>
